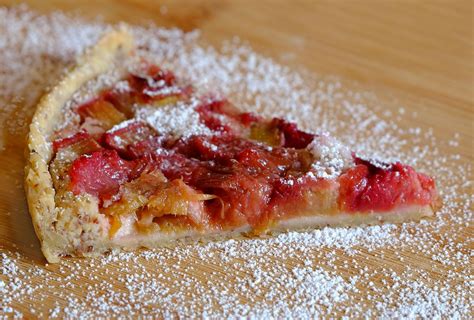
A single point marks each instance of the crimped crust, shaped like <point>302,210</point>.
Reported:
<point>38,182</point>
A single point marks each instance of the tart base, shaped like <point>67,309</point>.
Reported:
<point>132,242</point>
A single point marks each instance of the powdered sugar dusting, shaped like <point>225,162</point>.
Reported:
<point>179,120</point>
<point>331,157</point>
<point>409,271</point>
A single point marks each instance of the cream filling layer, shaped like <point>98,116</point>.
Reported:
<point>129,237</point>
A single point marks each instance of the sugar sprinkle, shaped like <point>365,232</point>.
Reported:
<point>350,272</point>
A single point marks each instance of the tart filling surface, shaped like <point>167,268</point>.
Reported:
<point>147,159</point>
<point>151,149</point>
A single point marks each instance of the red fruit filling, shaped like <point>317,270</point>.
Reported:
<point>132,141</point>
<point>156,84</point>
<point>247,118</point>
<point>220,116</point>
<point>366,187</point>
<point>79,144</point>
<point>250,179</point>
<point>242,173</point>
<point>101,173</point>
<point>68,141</point>
<point>244,196</point>
<point>102,111</point>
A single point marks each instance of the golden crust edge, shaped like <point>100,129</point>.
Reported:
<point>38,181</point>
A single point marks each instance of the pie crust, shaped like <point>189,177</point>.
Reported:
<point>38,181</point>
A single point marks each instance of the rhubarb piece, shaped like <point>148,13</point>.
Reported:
<point>367,187</point>
<point>132,140</point>
<point>157,86</point>
<point>101,111</point>
<point>219,116</point>
<point>100,173</point>
<point>178,199</point>
<point>294,138</point>
<point>80,143</point>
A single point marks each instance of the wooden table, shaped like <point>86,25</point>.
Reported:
<point>418,51</point>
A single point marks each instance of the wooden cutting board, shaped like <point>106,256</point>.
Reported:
<point>419,52</point>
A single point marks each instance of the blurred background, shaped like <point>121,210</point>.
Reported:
<point>421,47</point>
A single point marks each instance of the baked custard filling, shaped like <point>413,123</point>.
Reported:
<point>149,153</point>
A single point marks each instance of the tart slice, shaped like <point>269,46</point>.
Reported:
<point>142,159</point>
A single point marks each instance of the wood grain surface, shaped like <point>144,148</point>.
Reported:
<point>420,52</point>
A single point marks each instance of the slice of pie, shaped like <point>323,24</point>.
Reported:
<point>123,154</point>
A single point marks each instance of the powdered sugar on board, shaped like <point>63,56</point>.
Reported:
<point>413,270</point>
